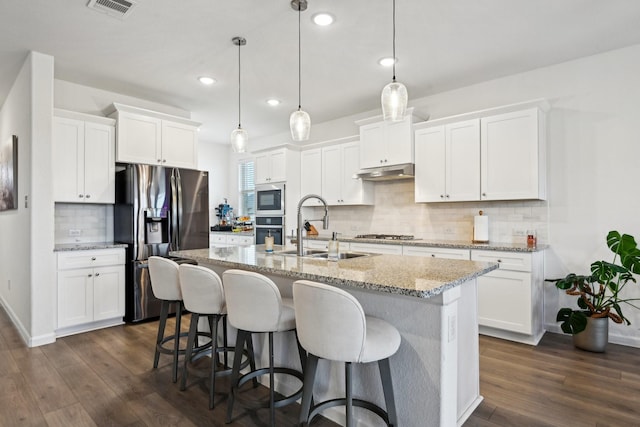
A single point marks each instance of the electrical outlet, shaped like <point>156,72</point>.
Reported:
<point>75,232</point>
<point>520,232</point>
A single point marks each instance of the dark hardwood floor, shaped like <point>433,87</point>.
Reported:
<point>104,378</point>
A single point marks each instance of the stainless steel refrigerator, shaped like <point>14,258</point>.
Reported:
<point>157,210</point>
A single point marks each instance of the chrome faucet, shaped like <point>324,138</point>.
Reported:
<point>325,219</point>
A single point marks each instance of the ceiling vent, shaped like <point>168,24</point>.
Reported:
<point>118,8</point>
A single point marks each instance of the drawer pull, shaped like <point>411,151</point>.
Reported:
<point>89,275</point>
<point>93,258</point>
<point>499,260</point>
<point>97,274</point>
<point>433,255</point>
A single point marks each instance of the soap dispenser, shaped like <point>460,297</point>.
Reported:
<point>268,242</point>
<point>334,248</point>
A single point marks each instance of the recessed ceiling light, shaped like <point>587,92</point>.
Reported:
<point>387,62</point>
<point>273,102</point>
<point>206,80</point>
<point>323,19</point>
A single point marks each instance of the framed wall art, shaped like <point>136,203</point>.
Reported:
<point>9,174</point>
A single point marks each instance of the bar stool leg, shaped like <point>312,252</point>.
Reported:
<point>235,373</point>
<point>311,366</point>
<point>272,392</point>
<point>252,359</point>
<point>349,393</point>
<point>224,342</point>
<point>164,313</point>
<point>214,358</point>
<point>387,389</point>
<point>193,329</point>
<point>176,347</point>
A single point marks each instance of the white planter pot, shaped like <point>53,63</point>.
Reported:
<point>595,337</point>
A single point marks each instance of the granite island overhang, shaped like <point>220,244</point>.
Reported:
<point>432,302</point>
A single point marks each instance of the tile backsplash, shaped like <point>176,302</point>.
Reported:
<point>395,212</point>
<point>83,223</point>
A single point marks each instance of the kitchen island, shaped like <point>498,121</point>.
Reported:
<point>432,302</point>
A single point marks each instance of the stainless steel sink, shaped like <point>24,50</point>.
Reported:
<point>341,255</point>
<point>319,253</point>
<point>307,252</point>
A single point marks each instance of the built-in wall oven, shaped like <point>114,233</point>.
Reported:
<point>270,199</point>
<point>269,225</point>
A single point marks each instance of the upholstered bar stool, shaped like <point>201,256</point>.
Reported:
<point>332,325</point>
<point>165,284</point>
<point>254,305</point>
<point>203,295</point>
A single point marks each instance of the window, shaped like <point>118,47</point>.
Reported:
<point>246,187</point>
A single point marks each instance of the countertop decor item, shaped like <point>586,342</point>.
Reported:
<point>600,294</point>
<point>239,137</point>
<point>480,228</point>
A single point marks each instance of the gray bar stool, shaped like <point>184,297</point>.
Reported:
<point>203,295</point>
<point>166,287</point>
<point>254,305</point>
<point>332,325</point>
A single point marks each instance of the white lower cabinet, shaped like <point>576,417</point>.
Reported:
<point>434,252</point>
<point>510,299</point>
<point>376,248</point>
<point>228,239</point>
<point>90,290</point>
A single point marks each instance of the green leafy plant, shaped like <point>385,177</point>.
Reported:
<point>599,294</point>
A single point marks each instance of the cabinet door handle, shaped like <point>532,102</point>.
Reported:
<point>484,194</point>
<point>447,196</point>
<point>81,195</point>
<point>442,196</point>
<point>381,161</point>
<point>164,160</point>
<point>385,160</point>
<point>499,260</point>
<point>93,258</point>
<point>97,274</point>
<point>433,255</point>
<point>87,196</point>
<point>89,275</point>
<point>159,160</point>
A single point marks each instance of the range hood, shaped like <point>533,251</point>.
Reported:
<point>386,173</point>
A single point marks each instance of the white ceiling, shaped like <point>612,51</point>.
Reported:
<point>164,45</point>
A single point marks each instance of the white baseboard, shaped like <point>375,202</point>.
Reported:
<point>86,327</point>
<point>510,336</point>
<point>466,414</point>
<point>24,334</point>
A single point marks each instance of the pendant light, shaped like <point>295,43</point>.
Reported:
<point>394,95</point>
<point>299,122</point>
<point>239,137</point>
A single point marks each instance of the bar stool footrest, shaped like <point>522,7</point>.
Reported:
<point>204,371</point>
<point>165,350</point>
<point>342,402</point>
<point>284,401</point>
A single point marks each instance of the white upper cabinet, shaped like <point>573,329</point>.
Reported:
<point>83,158</point>
<point>149,137</point>
<point>271,166</point>
<point>496,154</point>
<point>311,176</point>
<point>339,187</point>
<point>386,143</point>
<point>513,163</point>
<point>448,162</point>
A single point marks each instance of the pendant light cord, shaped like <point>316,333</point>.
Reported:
<point>394,40</point>
<point>239,121</point>
<point>300,60</point>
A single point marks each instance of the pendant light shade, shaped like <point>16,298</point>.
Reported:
<point>239,137</point>
<point>394,95</point>
<point>300,121</point>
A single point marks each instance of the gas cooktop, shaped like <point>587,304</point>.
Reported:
<point>385,236</point>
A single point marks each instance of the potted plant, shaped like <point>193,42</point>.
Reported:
<point>600,294</point>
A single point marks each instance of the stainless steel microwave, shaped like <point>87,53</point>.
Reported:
<point>270,199</point>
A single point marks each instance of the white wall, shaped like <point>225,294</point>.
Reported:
<point>26,247</point>
<point>215,159</point>
<point>593,151</point>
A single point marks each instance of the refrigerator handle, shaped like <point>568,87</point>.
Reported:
<point>180,213</point>
<point>173,232</point>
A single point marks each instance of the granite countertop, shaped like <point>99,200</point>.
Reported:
<point>453,244</point>
<point>86,246</point>
<point>396,274</point>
